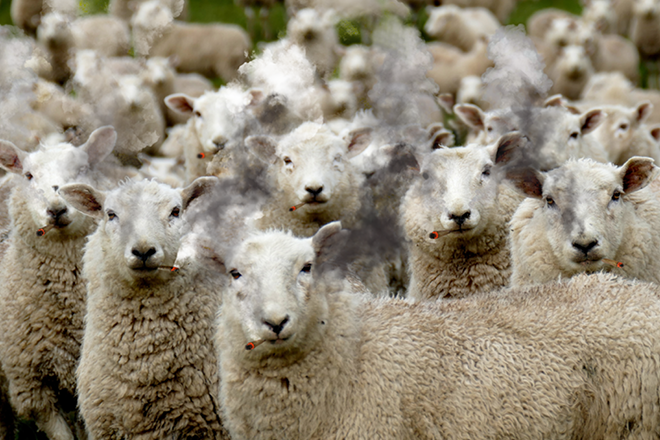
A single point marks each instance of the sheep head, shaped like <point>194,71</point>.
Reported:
<point>141,224</point>
<point>273,294</point>
<point>583,208</point>
<point>40,174</point>
<point>456,192</point>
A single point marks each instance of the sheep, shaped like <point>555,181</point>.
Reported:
<point>43,295</point>
<point>645,27</point>
<point>470,91</point>
<point>106,35</point>
<point>610,53</point>
<point>582,213</point>
<point>485,127</point>
<point>316,33</point>
<point>310,166</point>
<point>213,50</point>
<point>501,8</point>
<point>455,216</point>
<point>540,22</point>
<point>624,133</point>
<point>56,37</point>
<point>26,14</point>
<point>450,64</point>
<point>601,15</point>
<point>567,360</point>
<point>460,27</point>
<point>570,71</point>
<point>148,365</point>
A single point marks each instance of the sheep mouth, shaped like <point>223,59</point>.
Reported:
<point>279,341</point>
<point>144,268</point>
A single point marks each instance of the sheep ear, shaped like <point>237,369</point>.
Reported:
<point>11,157</point>
<point>198,187</point>
<point>359,141</point>
<point>100,144</point>
<point>506,147</point>
<point>655,133</point>
<point>256,96</point>
<point>446,102</point>
<point>443,139</point>
<point>528,181</point>
<point>554,101</point>
<point>327,242</point>
<point>643,111</point>
<point>181,103</point>
<point>84,198</point>
<point>590,120</point>
<point>471,115</point>
<point>264,147</point>
<point>637,172</point>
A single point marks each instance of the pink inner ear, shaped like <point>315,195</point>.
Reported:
<point>181,104</point>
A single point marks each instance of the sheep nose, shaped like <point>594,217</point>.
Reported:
<point>460,219</point>
<point>315,191</point>
<point>219,142</point>
<point>144,256</point>
<point>277,328</point>
<point>56,213</point>
<point>585,247</point>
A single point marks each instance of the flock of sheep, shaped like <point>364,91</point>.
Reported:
<point>397,239</point>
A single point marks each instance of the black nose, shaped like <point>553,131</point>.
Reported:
<point>585,247</point>
<point>57,212</point>
<point>144,256</point>
<point>460,219</point>
<point>314,191</point>
<point>277,328</point>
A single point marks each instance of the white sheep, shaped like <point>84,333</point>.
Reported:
<point>601,14</point>
<point>314,181</point>
<point>645,27</point>
<point>484,127</point>
<point>537,362</point>
<point>625,134</point>
<point>451,64</point>
<point>460,27</point>
<point>26,14</point>
<point>107,35</point>
<point>148,365</point>
<point>56,39</point>
<point>125,9</point>
<point>570,71</point>
<point>612,53</point>
<point>316,33</point>
<point>43,294</point>
<point>578,215</point>
<point>455,215</point>
<point>470,91</point>
<point>213,50</point>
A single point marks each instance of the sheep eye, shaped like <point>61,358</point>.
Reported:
<point>490,129</point>
<point>175,212</point>
<point>111,215</point>
<point>550,201</point>
<point>574,135</point>
<point>29,175</point>
<point>287,161</point>
<point>198,114</point>
<point>425,176</point>
<point>235,274</point>
<point>616,195</point>
<point>486,171</point>
<point>307,268</point>
<point>623,126</point>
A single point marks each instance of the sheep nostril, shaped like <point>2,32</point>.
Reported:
<point>460,219</point>
<point>56,213</point>
<point>585,247</point>
<point>314,191</point>
<point>144,256</point>
<point>277,328</point>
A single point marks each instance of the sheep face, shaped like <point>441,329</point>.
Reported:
<point>141,223</point>
<point>308,26</point>
<point>311,166</point>
<point>43,172</point>
<point>271,294</point>
<point>489,126</point>
<point>585,206</point>
<point>619,127</point>
<point>219,117</point>
<point>455,195</point>
<point>574,64</point>
<point>439,18</point>
<point>646,9</point>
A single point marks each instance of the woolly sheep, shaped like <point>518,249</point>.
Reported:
<point>148,365</point>
<point>601,15</point>
<point>213,50</point>
<point>538,362</point>
<point>310,165</point>
<point>43,295</point>
<point>470,91</point>
<point>624,133</point>
<point>570,71</point>
<point>455,216</point>
<point>460,27</point>
<point>26,14</point>
<point>501,8</point>
<point>124,9</point>
<point>316,33</point>
<point>610,53</point>
<point>450,64</point>
<point>56,38</point>
<point>579,214</point>
<point>645,27</point>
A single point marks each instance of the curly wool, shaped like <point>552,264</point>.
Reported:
<point>561,361</point>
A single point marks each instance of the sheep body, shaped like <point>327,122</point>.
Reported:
<point>330,370</point>
<point>450,64</point>
<point>215,50</point>
<point>147,367</point>
<point>460,27</point>
<point>105,34</point>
